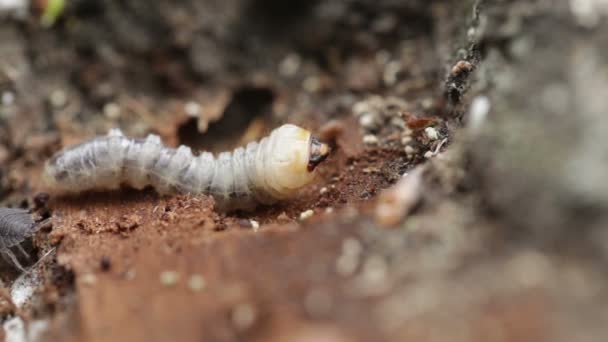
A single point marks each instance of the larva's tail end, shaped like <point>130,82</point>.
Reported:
<point>319,151</point>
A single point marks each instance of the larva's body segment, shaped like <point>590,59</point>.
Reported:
<point>264,172</point>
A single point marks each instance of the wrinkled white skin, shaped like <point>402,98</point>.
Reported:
<point>264,172</point>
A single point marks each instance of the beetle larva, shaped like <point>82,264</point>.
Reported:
<point>16,225</point>
<point>264,172</point>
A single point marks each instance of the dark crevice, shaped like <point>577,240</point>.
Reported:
<point>247,104</point>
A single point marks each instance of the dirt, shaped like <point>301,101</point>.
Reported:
<point>502,243</point>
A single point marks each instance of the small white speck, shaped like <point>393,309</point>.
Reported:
<point>370,139</point>
<point>306,214</point>
<point>290,65</point>
<point>329,210</point>
<point>312,84</point>
<point>243,316</point>
<point>368,121</point>
<point>58,98</point>
<point>428,154</point>
<point>192,108</point>
<point>196,282</point>
<point>8,98</point>
<point>409,150</point>
<point>255,225</point>
<point>480,107</point>
<point>323,190</point>
<point>89,279</point>
<point>431,133</point>
<point>169,278</point>
<point>111,110</point>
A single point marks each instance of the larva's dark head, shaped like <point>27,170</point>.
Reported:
<point>292,159</point>
<point>319,151</point>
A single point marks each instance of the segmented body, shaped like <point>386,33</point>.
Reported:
<point>264,172</point>
<point>16,225</point>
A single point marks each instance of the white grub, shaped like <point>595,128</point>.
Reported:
<point>370,139</point>
<point>271,170</point>
<point>396,202</point>
<point>306,214</point>
<point>169,278</point>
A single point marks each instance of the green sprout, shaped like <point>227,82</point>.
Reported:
<point>52,11</point>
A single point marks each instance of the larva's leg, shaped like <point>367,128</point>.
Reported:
<point>150,150</point>
<point>243,196</point>
<point>205,171</point>
<point>178,165</point>
<point>132,173</point>
<point>222,185</point>
<point>189,180</point>
<point>158,176</point>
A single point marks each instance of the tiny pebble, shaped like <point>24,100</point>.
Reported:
<point>168,278</point>
<point>89,279</point>
<point>290,65</point>
<point>409,150</point>
<point>323,190</point>
<point>306,214</point>
<point>130,274</point>
<point>431,133</point>
<point>58,98</point>
<point>370,139</point>
<point>368,121</point>
<point>196,282</point>
<point>243,316</point>
<point>254,224</point>
<point>8,98</point>
<point>192,108</point>
<point>312,84</point>
<point>111,110</point>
